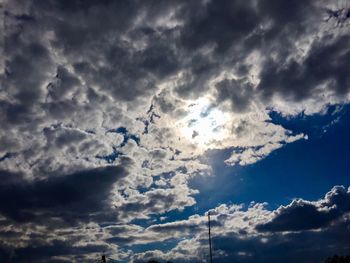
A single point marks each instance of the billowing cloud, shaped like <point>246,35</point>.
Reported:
<point>246,234</point>
<point>305,215</point>
<point>108,108</point>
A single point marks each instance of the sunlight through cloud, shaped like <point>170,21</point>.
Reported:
<point>204,124</point>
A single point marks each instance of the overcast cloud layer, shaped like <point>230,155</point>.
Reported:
<point>108,108</point>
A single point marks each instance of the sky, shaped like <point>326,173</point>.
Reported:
<point>124,123</point>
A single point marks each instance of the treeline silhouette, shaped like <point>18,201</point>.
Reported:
<point>338,259</point>
<point>334,259</point>
<point>155,261</point>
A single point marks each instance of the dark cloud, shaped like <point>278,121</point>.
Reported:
<point>58,252</point>
<point>301,247</point>
<point>157,201</point>
<point>233,241</point>
<point>281,23</point>
<point>233,28</point>
<point>305,215</point>
<point>238,92</point>
<point>286,13</point>
<point>117,67</point>
<point>221,25</point>
<point>79,196</point>
<point>299,216</point>
<point>326,63</point>
<point>295,247</point>
<point>28,62</point>
<point>62,136</point>
<point>45,220</point>
<point>28,70</point>
<point>75,68</point>
<point>65,82</point>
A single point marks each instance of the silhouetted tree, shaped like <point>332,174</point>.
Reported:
<point>338,259</point>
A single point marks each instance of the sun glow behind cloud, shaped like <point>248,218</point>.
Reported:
<point>138,127</point>
<point>204,125</point>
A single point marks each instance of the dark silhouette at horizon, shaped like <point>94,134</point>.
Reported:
<point>338,259</point>
<point>155,261</point>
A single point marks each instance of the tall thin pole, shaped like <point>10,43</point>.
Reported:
<point>211,256</point>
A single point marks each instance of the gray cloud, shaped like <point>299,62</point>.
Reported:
<point>73,70</point>
<point>305,215</point>
<point>235,237</point>
<point>239,92</point>
<point>79,196</point>
<point>208,23</point>
<point>325,63</point>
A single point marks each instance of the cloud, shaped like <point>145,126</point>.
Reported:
<point>180,78</point>
<point>218,25</point>
<point>238,91</point>
<point>305,215</point>
<point>299,80</point>
<point>79,196</point>
<point>96,78</point>
<point>245,234</point>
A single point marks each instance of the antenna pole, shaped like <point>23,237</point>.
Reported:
<point>211,256</point>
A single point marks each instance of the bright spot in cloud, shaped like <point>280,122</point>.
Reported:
<point>204,125</point>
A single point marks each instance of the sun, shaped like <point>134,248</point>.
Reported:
<point>204,124</point>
